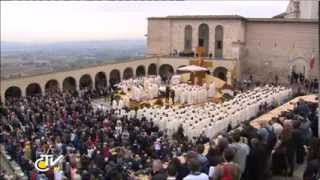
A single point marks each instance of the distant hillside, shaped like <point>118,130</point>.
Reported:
<point>27,58</point>
<point>17,46</point>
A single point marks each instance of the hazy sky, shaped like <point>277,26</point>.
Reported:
<point>100,20</point>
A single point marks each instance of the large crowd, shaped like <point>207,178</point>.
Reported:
<point>98,144</point>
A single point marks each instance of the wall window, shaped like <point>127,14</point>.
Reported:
<point>188,38</point>
<point>218,52</point>
<point>203,35</point>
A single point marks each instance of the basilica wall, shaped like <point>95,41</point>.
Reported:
<point>158,39</point>
<point>233,30</point>
<point>274,48</point>
<point>163,41</point>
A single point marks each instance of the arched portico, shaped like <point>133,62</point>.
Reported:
<point>100,80</point>
<point>221,72</point>
<point>69,84</point>
<point>33,89</point>
<point>140,71</point>
<point>128,73</point>
<point>299,66</point>
<point>166,70</point>
<point>115,77</point>
<point>51,86</point>
<point>13,91</point>
<point>152,69</point>
<point>85,82</point>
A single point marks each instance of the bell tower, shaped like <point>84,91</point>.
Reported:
<point>302,9</point>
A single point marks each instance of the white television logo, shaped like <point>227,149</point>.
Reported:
<point>45,162</point>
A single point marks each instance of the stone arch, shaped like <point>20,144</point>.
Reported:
<point>85,82</point>
<point>152,69</point>
<point>299,65</point>
<point>128,73</point>
<point>203,36</point>
<point>13,91</point>
<point>115,77</point>
<point>188,38</point>
<point>33,89</point>
<point>51,85</point>
<point>220,72</point>
<point>100,80</point>
<point>166,70</point>
<point>69,84</point>
<point>218,48</point>
<point>140,71</point>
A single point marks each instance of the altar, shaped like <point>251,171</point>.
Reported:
<point>151,91</point>
<point>193,85</point>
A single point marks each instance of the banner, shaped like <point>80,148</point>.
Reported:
<point>312,60</point>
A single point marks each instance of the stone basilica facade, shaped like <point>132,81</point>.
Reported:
<point>263,47</point>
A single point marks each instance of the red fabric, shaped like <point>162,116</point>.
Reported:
<point>106,152</point>
<point>33,175</point>
<point>50,174</point>
<point>226,174</point>
<point>312,60</point>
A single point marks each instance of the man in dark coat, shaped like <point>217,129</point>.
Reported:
<point>172,94</point>
<point>158,173</point>
<point>167,93</point>
<point>256,162</point>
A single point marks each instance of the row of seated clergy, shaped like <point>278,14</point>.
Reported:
<point>213,118</point>
<point>121,103</point>
<point>185,93</point>
<point>196,119</point>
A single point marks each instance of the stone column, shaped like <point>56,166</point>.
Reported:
<point>43,88</point>
<point>93,82</point>
<point>2,96</point>
<point>108,78</point>
<point>23,91</point>
<point>77,79</point>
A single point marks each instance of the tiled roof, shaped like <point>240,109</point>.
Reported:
<point>200,17</point>
<point>283,20</point>
<point>196,17</point>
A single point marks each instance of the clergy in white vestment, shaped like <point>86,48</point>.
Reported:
<point>114,104</point>
<point>212,89</point>
<point>189,97</point>
<point>120,104</point>
<point>183,97</point>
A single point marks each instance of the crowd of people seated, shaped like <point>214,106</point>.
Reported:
<point>98,145</point>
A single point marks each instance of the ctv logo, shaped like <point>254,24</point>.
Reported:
<point>45,162</point>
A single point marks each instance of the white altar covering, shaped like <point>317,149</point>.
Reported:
<point>213,118</point>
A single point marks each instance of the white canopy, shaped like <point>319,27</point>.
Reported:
<point>192,68</point>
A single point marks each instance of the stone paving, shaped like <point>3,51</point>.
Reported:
<point>298,174</point>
